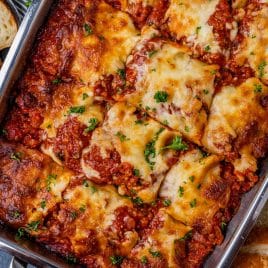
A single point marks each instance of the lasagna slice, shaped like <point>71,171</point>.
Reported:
<point>162,244</point>
<point>169,85</point>
<point>250,47</point>
<point>237,126</point>
<point>132,151</point>
<point>205,26</point>
<point>93,224</point>
<point>194,185</point>
<point>31,186</point>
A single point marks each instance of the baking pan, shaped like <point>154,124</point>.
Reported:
<point>239,227</point>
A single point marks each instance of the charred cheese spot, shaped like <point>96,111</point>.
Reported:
<point>238,121</point>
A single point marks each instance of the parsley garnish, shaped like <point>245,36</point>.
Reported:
<point>82,208</point>
<point>56,81</point>
<point>137,200</point>
<point>144,260</point>
<point>16,156</point>
<point>51,178</point>
<point>149,151</point>
<point>166,202</point>
<point>177,144</point>
<point>85,96</point>
<point>93,189</point>
<point>207,48</point>
<point>197,30</point>
<point>155,254</point>
<point>186,236</point>
<point>77,110</point>
<point>181,191</point>
<point>121,136</point>
<point>257,88</point>
<point>93,122</point>
<point>85,183</point>
<point>136,172</point>
<point>88,29</point>
<point>71,259</point>
<point>73,215</point>
<point>151,53</point>
<point>43,204</point>
<point>21,232</point>
<point>223,226</point>
<point>261,68</point>
<point>191,178</point>
<point>161,96</point>
<point>193,203</point>
<point>206,91</point>
<point>16,214</point>
<point>115,260</point>
<point>122,73</point>
<point>33,226</point>
<point>198,186</point>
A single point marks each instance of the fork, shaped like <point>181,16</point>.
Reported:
<point>21,7</point>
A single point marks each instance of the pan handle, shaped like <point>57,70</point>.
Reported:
<point>16,263</point>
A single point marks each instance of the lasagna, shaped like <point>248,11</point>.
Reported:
<point>135,129</point>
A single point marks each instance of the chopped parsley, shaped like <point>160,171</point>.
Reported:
<point>51,178</point>
<point>206,91</point>
<point>177,144</point>
<point>77,110</point>
<point>28,3</point>
<point>116,259</point>
<point>136,172</point>
<point>139,122</point>
<point>193,203</point>
<point>165,122</point>
<point>122,73</point>
<point>191,178</point>
<point>187,129</point>
<point>33,226</point>
<point>207,48</point>
<point>155,254</point>
<point>186,236</point>
<point>223,226</point>
<point>197,30</point>
<point>82,208</point>
<point>16,156</point>
<point>144,260</point>
<point>16,214</point>
<point>198,186</point>
<point>121,136</point>
<point>213,72</point>
<point>43,204</point>
<point>73,215</point>
<point>85,96</point>
<point>137,200</point>
<point>85,183</point>
<point>167,202</point>
<point>21,232</point>
<point>87,29</point>
<point>161,96</point>
<point>93,189</point>
<point>261,68</point>
<point>149,151</point>
<point>257,88</point>
<point>56,81</point>
<point>181,191</point>
<point>93,122</point>
<point>71,259</point>
<point>151,53</point>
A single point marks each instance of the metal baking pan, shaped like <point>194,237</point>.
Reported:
<point>239,227</point>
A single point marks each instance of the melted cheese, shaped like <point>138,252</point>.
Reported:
<point>161,240</point>
<point>190,185</point>
<point>188,83</point>
<point>105,50</point>
<point>190,19</point>
<point>254,48</point>
<point>122,119</point>
<point>232,111</point>
<point>99,205</point>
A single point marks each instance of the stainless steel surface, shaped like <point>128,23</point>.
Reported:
<point>238,228</point>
